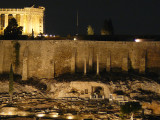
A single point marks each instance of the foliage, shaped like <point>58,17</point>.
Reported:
<point>11,81</point>
<point>90,30</point>
<point>35,83</point>
<point>130,108</point>
<point>107,28</point>
<point>119,92</point>
<point>12,31</point>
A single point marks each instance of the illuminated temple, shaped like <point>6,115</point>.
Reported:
<point>30,18</point>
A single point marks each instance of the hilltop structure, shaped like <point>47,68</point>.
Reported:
<point>30,18</point>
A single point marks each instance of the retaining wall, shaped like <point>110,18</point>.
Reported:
<point>50,58</point>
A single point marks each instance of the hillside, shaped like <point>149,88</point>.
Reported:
<point>132,87</point>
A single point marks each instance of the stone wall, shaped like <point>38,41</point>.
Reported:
<point>49,58</point>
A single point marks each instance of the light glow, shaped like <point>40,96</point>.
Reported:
<point>75,39</point>
<point>40,115</point>
<point>54,116</point>
<point>138,40</point>
<point>10,113</point>
<point>45,35</point>
<point>69,117</point>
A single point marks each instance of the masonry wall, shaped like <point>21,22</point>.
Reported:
<point>50,58</point>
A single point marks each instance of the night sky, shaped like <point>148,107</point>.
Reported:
<point>140,17</point>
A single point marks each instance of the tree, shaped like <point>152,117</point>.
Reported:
<point>11,82</point>
<point>90,30</point>
<point>107,28</point>
<point>12,31</point>
<point>130,108</point>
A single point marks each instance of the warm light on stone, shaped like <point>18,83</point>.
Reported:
<point>29,18</point>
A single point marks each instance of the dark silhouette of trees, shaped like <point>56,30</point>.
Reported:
<point>90,30</point>
<point>12,31</point>
<point>107,28</point>
<point>130,108</point>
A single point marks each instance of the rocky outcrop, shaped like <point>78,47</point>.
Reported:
<point>17,87</point>
<point>154,106</point>
<point>77,89</point>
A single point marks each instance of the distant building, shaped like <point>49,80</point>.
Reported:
<point>30,18</point>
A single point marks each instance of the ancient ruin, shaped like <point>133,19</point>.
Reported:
<point>30,18</point>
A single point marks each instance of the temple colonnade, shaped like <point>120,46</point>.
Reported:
<point>30,18</point>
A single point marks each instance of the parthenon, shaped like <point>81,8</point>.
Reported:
<point>30,18</point>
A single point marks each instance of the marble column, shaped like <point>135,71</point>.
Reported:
<point>22,22</point>
<point>18,17</point>
<point>27,25</point>
<point>6,20</point>
<point>41,23</point>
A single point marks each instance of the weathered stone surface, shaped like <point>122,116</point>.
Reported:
<point>66,56</point>
<point>151,107</point>
<point>25,65</point>
<point>58,90</point>
<point>1,57</point>
<point>17,88</point>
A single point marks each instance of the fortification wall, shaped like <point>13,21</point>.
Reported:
<point>49,58</point>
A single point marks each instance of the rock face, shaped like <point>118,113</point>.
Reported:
<point>142,90</point>
<point>135,87</point>
<point>17,88</point>
<point>151,107</point>
<point>81,89</point>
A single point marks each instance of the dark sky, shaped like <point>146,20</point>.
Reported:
<point>128,16</point>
